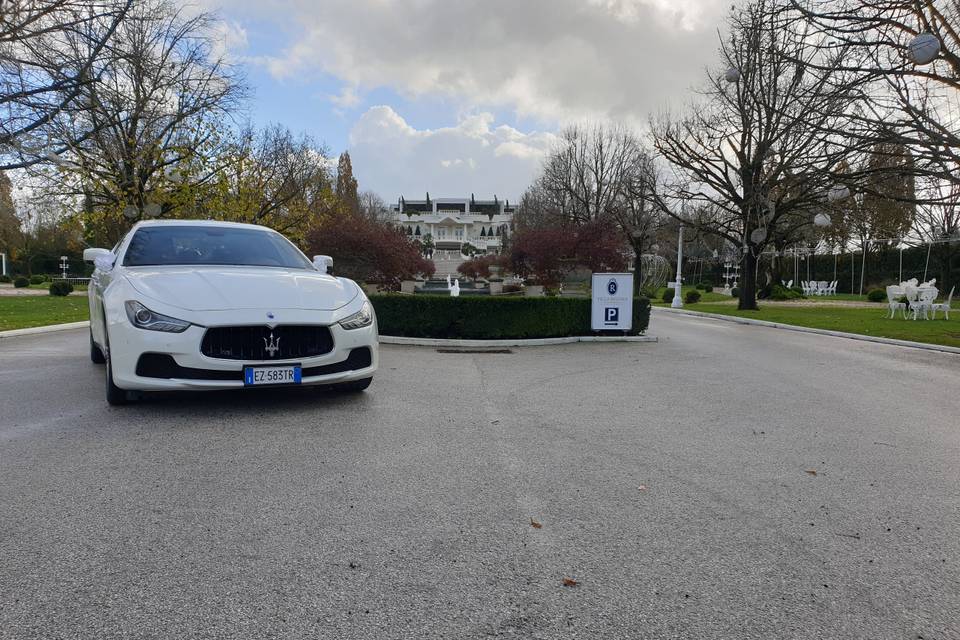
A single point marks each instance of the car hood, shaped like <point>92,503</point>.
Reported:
<point>218,288</point>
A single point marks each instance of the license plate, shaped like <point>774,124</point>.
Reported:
<point>253,376</point>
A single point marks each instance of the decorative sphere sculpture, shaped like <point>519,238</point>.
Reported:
<point>924,48</point>
<point>131,212</point>
<point>152,210</point>
<point>654,271</point>
<point>758,235</point>
<point>822,220</point>
<point>732,75</point>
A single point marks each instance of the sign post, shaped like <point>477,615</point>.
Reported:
<point>612,308</point>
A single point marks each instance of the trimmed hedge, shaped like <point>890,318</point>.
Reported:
<point>877,295</point>
<point>20,282</point>
<point>61,288</point>
<point>483,317</point>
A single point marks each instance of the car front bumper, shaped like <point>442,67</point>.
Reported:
<point>128,344</point>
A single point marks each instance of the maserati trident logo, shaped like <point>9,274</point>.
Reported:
<point>272,346</point>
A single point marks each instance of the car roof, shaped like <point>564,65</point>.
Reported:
<point>198,223</point>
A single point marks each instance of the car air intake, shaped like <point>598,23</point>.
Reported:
<point>285,342</point>
<point>162,365</point>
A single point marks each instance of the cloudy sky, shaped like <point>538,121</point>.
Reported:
<point>461,96</point>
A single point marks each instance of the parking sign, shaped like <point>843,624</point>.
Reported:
<point>612,308</point>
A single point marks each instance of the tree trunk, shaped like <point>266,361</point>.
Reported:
<point>748,282</point>
<point>637,271</point>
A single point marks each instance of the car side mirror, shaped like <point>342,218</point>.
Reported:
<point>102,259</point>
<point>323,264</point>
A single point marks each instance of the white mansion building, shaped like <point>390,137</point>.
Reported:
<point>451,222</point>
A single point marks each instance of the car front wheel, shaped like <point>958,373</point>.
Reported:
<point>115,395</point>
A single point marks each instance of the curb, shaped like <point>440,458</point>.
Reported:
<point>50,328</point>
<point>823,332</point>
<point>532,342</point>
<point>399,340</point>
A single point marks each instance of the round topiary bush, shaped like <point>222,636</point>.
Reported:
<point>37,279</point>
<point>700,285</point>
<point>6,279</point>
<point>61,288</point>
<point>876,295</point>
<point>692,296</point>
<point>668,295</point>
<point>708,288</point>
<point>20,282</point>
<point>735,292</point>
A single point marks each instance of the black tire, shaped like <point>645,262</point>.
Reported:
<point>96,354</point>
<point>115,395</point>
<point>354,386</point>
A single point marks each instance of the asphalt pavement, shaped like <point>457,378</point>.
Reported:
<point>727,482</point>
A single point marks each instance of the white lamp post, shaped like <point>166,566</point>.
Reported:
<point>3,261</point>
<point>63,266</point>
<point>677,298</point>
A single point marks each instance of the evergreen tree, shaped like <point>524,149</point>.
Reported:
<point>347,185</point>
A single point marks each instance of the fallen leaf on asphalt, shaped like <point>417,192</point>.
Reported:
<point>570,582</point>
<point>812,472</point>
<point>535,524</point>
<point>642,487</point>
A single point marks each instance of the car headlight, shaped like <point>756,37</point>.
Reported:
<point>143,318</point>
<point>360,319</point>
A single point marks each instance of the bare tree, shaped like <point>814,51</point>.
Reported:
<point>271,178</point>
<point>906,58</point>
<point>373,207</point>
<point>41,80</point>
<point>151,125</point>
<point>937,223</point>
<point>753,160</point>
<point>599,172</point>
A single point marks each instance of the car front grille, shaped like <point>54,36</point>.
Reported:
<point>285,342</point>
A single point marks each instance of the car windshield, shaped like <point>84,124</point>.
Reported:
<point>212,245</point>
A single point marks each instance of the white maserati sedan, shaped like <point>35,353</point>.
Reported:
<point>190,305</point>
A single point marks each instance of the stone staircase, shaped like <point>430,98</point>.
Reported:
<point>446,266</point>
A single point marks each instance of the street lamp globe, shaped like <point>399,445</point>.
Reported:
<point>822,220</point>
<point>924,48</point>
<point>732,75</point>
<point>838,192</point>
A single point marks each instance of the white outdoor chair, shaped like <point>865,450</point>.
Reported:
<point>805,286</point>
<point>790,284</point>
<point>943,306</point>
<point>923,302</point>
<point>823,286</point>
<point>893,301</point>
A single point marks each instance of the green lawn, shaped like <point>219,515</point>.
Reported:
<point>713,296</point>
<point>871,322</point>
<point>20,312</point>
<point>46,286</point>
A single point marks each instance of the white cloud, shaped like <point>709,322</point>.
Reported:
<point>347,98</point>
<point>555,60</point>
<point>471,157</point>
<point>228,38</point>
